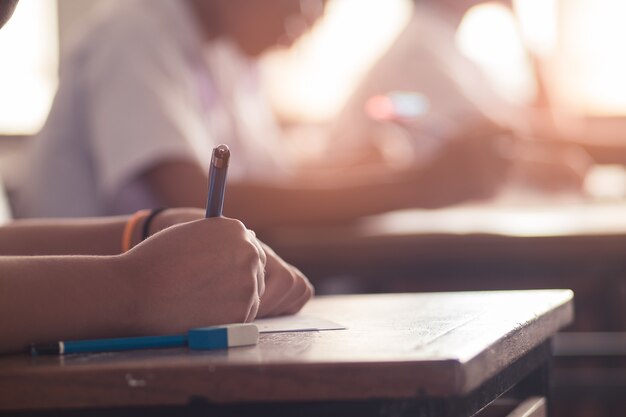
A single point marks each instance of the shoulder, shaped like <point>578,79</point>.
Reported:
<point>118,34</point>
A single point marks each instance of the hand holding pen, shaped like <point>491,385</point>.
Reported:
<point>288,290</point>
<point>187,276</point>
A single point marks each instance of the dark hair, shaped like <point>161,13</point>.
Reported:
<point>6,10</point>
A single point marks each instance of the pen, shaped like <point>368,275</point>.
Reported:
<point>206,338</point>
<point>108,345</point>
<point>217,181</point>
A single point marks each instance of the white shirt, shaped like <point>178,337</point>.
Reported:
<point>140,86</point>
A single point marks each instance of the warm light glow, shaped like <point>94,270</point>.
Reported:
<point>312,81</point>
<point>488,35</point>
<point>29,55</point>
<point>589,70</point>
<point>538,24</point>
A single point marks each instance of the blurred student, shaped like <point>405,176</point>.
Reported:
<point>150,86</point>
<point>188,272</point>
<point>443,100</point>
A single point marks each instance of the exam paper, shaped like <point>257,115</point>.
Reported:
<point>296,323</point>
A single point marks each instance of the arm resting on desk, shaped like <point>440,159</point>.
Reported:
<point>200,273</point>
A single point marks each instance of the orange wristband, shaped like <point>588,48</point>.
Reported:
<point>131,224</point>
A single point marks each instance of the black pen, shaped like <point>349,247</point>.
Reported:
<point>217,181</point>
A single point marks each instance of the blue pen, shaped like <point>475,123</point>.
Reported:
<point>217,181</point>
<point>207,338</point>
<point>109,345</point>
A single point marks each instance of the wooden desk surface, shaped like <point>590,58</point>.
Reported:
<point>531,232</point>
<point>395,346</point>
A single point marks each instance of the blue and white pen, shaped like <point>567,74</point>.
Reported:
<point>206,338</point>
<point>217,181</point>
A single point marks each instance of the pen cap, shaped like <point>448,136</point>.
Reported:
<point>221,156</point>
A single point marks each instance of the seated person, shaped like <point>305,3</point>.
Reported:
<point>73,279</point>
<point>445,104</point>
<point>151,86</point>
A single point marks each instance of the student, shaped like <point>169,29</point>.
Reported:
<point>150,86</point>
<point>189,272</point>
<point>457,102</point>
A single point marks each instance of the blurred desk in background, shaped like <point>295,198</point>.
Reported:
<point>581,246</point>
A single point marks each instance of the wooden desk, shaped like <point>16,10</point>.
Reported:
<point>531,233</point>
<point>440,354</point>
<point>475,247</point>
<point>580,246</point>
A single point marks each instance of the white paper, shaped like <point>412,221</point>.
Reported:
<point>296,323</point>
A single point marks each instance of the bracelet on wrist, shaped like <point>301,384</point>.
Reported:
<point>129,228</point>
<point>145,230</point>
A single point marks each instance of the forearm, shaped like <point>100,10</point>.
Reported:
<point>62,237</point>
<point>605,153</point>
<point>312,197</point>
<point>601,138</point>
<point>46,299</point>
<point>326,197</point>
<point>263,207</point>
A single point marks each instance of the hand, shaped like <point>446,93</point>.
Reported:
<point>551,167</point>
<point>286,289</point>
<point>202,273</point>
<point>464,169</point>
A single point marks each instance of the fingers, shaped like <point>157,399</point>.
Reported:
<point>262,263</point>
<point>246,278</point>
<point>259,273</point>
<point>299,296</point>
<point>250,263</point>
<point>287,289</point>
<point>254,310</point>
<point>279,289</point>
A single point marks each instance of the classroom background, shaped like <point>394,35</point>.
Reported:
<point>560,60</point>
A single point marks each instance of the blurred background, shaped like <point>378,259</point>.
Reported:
<point>562,63</point>
<point>573,46</point>
<point>563,58</point>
